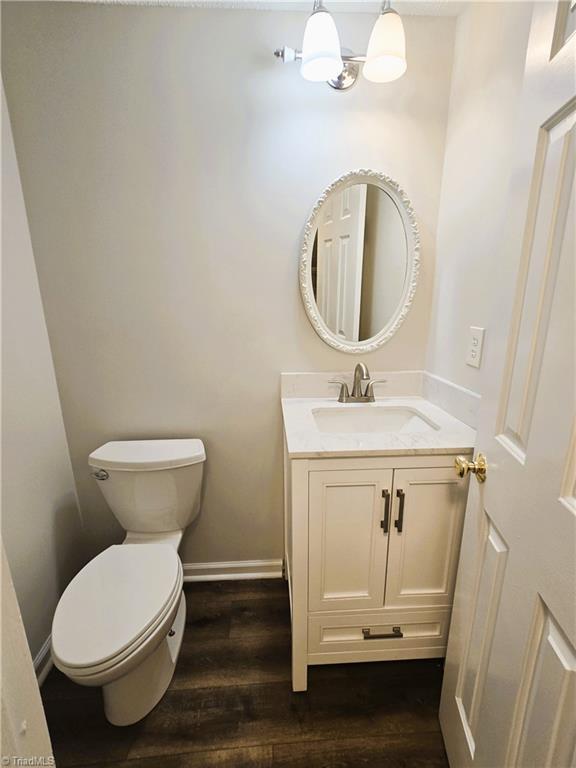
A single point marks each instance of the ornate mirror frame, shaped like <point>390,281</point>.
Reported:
<point>404,207</point>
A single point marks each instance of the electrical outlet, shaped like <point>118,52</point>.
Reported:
<point>475,342</point>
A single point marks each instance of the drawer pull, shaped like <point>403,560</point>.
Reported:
<point>396,632</point>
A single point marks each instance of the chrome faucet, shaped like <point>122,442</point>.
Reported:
<point>360,374</point>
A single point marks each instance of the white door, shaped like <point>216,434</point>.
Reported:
<point>428,510</point>
<point>509,694</point>
<point>24,737</point>
<point>349,518</point>
<point>339,260</point>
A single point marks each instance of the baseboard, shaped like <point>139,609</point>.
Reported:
<point>239,569</point>
<point>43,660</point>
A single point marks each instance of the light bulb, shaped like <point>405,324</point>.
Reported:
<point>321,57</point>
<point>386,55</point>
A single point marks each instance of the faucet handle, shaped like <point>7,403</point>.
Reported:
<point>370,388</point>
<point>344,391</point>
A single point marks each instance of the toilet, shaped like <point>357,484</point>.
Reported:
<point>120,621</point>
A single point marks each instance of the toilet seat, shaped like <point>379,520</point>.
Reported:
<point>122,666</point>
<point>117,605</point>
<point>118,665</point>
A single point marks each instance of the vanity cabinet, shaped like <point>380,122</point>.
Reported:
<point>372,547</point>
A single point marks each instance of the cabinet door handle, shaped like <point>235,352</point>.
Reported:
<point>367,634</point>
<point>384,524</point>
<point>400,521</point>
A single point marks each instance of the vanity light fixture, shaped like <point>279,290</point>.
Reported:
<point>323,59</point>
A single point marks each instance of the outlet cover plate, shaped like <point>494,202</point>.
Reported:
<point>475,343</point>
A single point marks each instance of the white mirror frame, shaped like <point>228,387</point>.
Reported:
<point>402,202</point>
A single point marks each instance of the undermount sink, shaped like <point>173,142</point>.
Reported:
<point>376,418</point>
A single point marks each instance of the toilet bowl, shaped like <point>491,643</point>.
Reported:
<point>120,621</point>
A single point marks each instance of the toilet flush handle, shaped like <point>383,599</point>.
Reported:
<point>100,474</point>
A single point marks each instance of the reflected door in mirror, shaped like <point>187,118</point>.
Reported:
<point>339,249</point>
<point>359,261</point>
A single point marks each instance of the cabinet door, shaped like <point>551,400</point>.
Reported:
<point>428,510</point>
<point>347,543</point>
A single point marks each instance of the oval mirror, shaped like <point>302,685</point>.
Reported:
<point>359,261</point>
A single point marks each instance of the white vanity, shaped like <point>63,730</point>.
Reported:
<point>373,504</point>
<point>373,520</point>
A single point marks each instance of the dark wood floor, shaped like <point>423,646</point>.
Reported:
<point>230,703</point>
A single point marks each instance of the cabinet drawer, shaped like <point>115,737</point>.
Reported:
<point>359,632</point>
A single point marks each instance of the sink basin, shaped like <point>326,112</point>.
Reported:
<point>378,418</point>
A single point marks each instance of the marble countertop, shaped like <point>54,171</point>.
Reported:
<point>305,440</point>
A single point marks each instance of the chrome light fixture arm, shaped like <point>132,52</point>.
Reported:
<point>288,55</point>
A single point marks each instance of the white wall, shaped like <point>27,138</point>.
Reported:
<point>169,163</point>
<point>41,526</point>
<point>489,56</point>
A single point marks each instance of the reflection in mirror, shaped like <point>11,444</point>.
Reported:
<point>359,261</point>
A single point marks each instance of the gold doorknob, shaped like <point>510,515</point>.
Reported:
<point>478,467</point>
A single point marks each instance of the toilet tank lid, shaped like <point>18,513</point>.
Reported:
<point>147,454</point>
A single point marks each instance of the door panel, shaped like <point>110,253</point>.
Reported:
<point>509,685</point>
<point>545,232</point>
<point>422,555</point>
<point>486,602</point>
<point>543,728</point>
<point>347,545</point>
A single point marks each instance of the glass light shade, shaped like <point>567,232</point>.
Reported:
<point>386,56</point>
<point>321,57</point>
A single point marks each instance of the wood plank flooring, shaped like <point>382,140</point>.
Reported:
<point>230,704</point>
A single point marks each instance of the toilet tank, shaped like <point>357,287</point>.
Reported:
<point>151,486</point>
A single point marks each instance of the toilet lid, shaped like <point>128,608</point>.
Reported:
<point>112,601</point>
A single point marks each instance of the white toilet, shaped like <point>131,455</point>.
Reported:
<point>120,621</point>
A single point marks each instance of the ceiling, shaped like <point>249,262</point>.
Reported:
<point>405,7</point>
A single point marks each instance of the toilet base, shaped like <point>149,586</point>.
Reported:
<point>133,696</point>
